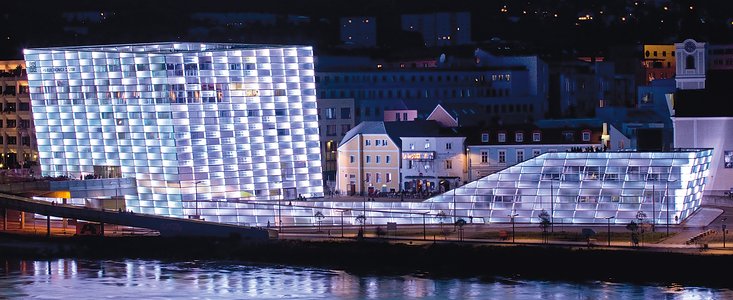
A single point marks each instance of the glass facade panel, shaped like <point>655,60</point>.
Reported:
<point>190,125</point>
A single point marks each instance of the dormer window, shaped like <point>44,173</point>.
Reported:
<point>484,137</point>
<point>501,137</point>
<point>586,136</point>
<point>536,136</point>
<point>568,136</point>
<point>519,137</point>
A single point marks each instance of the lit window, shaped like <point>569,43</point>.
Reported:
<point>427,145</point>
<point>484,137</point>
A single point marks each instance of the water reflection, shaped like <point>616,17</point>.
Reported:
<point>144,279</point>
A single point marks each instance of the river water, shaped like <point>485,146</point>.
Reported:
<point>151,279</point>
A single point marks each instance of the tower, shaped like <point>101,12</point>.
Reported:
<point>691,65</point>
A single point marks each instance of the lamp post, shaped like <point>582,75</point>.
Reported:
<point>424,231</point>
<point>654,217</point>
<point>723,227</point>
<point>196,199</point>
<point>512,216</point>
<point>342,221</point>
<point>552,205</point>
<point>608,221</point>
<point>666,198</point>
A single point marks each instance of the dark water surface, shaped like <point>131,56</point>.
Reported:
<point>150,279</point>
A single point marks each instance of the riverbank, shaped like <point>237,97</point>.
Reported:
<point>442,259</point>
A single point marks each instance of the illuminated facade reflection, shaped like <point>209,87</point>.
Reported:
<point>200,127</point>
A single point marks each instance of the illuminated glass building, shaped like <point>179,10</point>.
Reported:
<point>572,187</point>
<point>202,128</point>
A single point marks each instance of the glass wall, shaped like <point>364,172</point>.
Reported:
<point>194,124</point>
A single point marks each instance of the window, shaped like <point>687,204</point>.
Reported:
<point>536,152</point>
<point>376,159</point>
<point>368,159</point>
<point>11,124</point>
<point>368,177</point>
<point>379,177</point>
<point>449,164</point>
<point>484,157</point>
<point>384,142</point>
<point>502,137</point>
<point>520,156</point>
<point>388,177</point>
<point>409,164</point>
<point>448,146</point>
<point>345,128</point>
<point>519,137</point>
<point>377,142</point>
<point>586,136</point>
<point>568,136</point>
<point>330,113</point>
<point>427,145</point>
<point>345,113</point>
<point>351,159</point>
<point>536,137</point>
<point>387,159</point>
<point>330,130</point>
<point>502,156</point>
<point>690,62</point>
<point>412,146</point>
<point>367,142</point>
<point>484,137</point>
<point>12,140</point>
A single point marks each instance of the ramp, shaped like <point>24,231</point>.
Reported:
<point>169,227</point>
<point>702,217</point>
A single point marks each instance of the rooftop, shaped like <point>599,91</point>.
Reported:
<point>162,47</point>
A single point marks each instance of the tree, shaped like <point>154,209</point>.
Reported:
<point>544,223</point>
<point>319,218</point>
<point>361,219</point>
<point>460,223</point>
<point>441,218</point>
<point>634,228</point>
<point>641,216</point>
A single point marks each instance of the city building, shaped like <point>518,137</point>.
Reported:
<point>201,127</point>
<point>358,31</point>
<point>720,57</point>
<point>517,85</point>
<point>702,119</point>
<point>368,158</point>
<point>691,64</point>
<point>335,119</point>
<point>659,62</point>
<point>440,29</point>
<point>17,134</point>
<point>492,149</point>
<point>433,163</point>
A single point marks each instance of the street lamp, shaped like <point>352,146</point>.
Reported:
<point>723,227</point>
<point>608,221</point>
<point>512,216</point>
<point>552,205</point>
<point>342,221</point>
<point>666,199</point>
<point>424,231</point>
<point>196,199</point>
